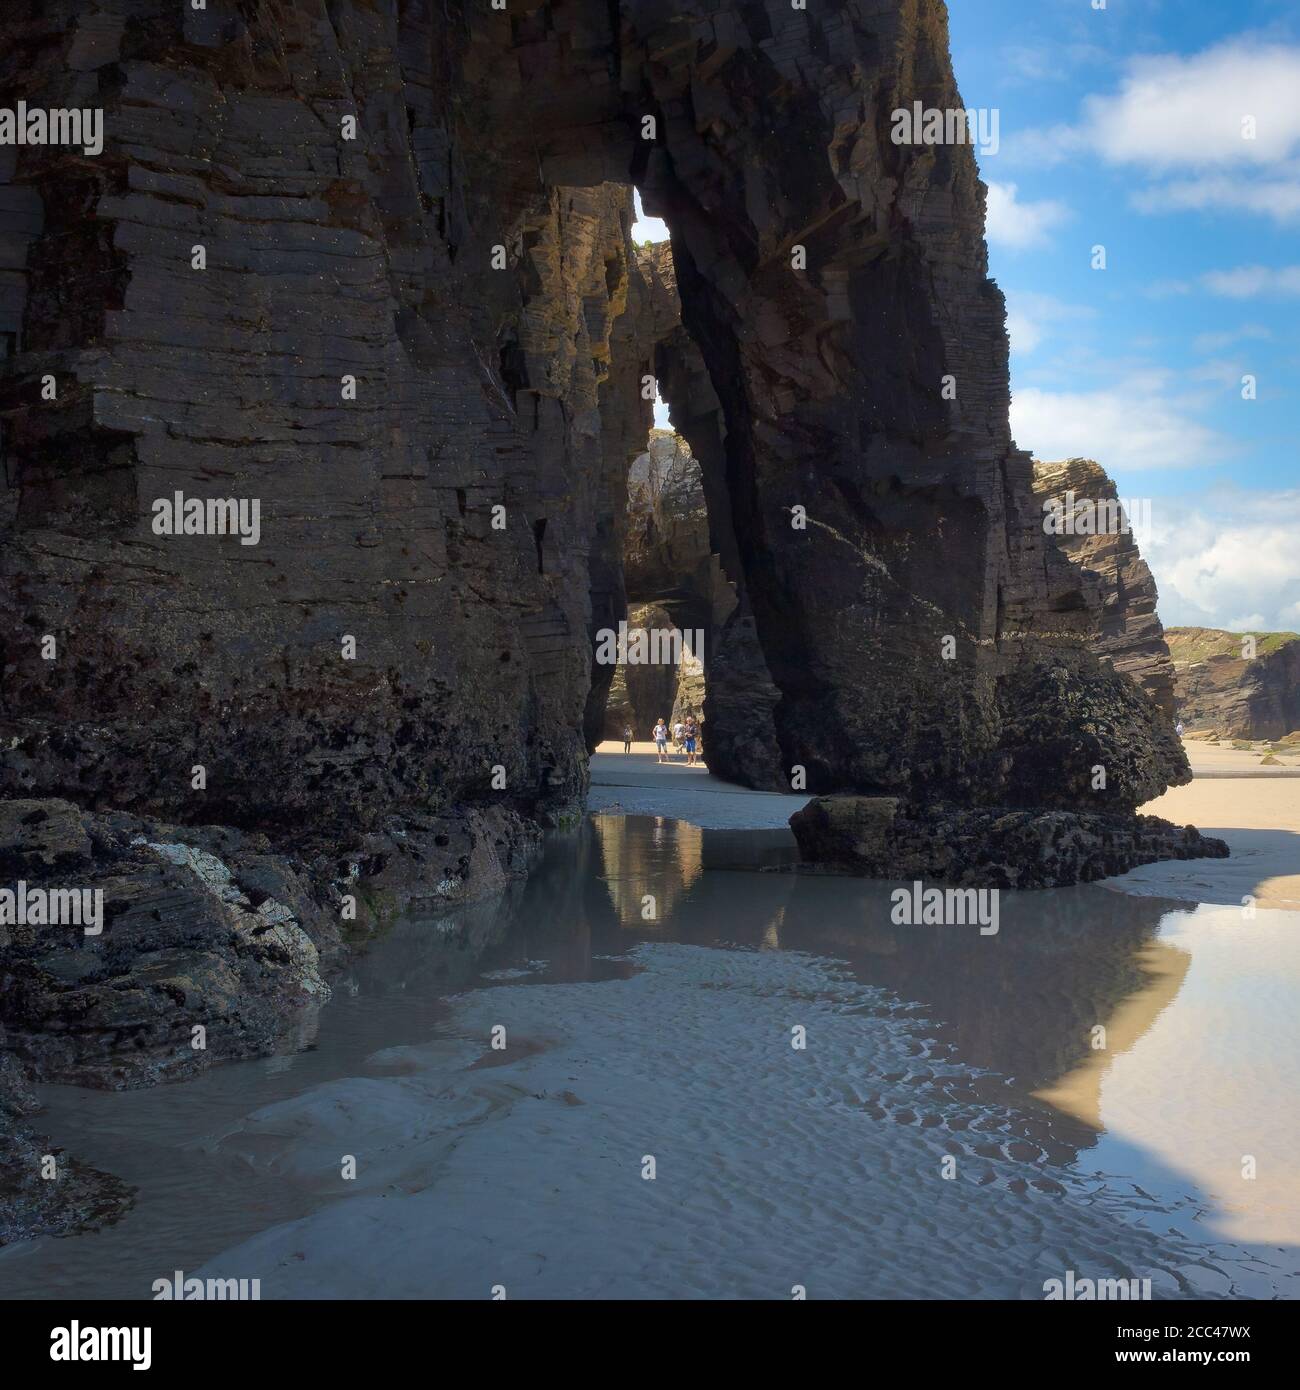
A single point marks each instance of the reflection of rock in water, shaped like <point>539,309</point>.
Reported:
<point>1078,1092</point>
<point>663,864</point>
<point>1022,1003</point>
<point>441,952</point>
<point>32,1203</point>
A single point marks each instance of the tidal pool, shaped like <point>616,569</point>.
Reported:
<point>721,1079</point>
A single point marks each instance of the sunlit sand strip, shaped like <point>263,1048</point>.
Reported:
<point>1260,820</point>
<point>1078,1093</point>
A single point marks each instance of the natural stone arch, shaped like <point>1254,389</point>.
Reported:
<point>518,129</point>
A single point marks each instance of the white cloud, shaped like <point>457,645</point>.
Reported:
<point>1031,317</point>
<point>1129,426</point>
<point>1247,281</point>
<point>1018,226</point>
<point>1278,198</point>
<point>1227,558</point>
<point>1227,117</point>
<point>1216,342</point>
<point>1220,370</point>
<point>1176,112</point>
<point>1047,60</point>
<point>1044,148</point>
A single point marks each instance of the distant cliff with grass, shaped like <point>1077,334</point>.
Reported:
<point>1235,686</point>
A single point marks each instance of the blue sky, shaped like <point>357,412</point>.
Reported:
<point>1124,127</point>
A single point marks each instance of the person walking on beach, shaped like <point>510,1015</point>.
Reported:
<point>689,740</point>
<point>627,738</point>
<point>661,740</point>
<point>678,734</point>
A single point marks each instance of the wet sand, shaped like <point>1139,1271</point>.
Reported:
<point>1255,808</point>
<point>950,1129</point>
<point>638,784</point>
<point>947,1131</point>
<point>1260,820</point>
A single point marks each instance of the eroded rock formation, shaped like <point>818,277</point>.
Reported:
<point>740,698</point>
<point>35,1201</point>
<point>1221,689</point>
<point>1130,637</point>
<point>481,133</point>
<point>674,583</point>
<point>920,518</point>
<point>642,693</point>
<point>368,265</point>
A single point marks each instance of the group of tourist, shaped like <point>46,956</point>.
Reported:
<point>685,738</point>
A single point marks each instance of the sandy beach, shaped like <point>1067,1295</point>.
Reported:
<point>1254,806</point>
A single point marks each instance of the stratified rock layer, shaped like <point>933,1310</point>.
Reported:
<point>1130,638</point>
<point>667,552</point>
<point>673,578</point>
<point>740,698</point>
<point>1221,689</point>
<point>905,597</point>
<point>643,693</point>
<point>331,265</point>
<point>464,255</point>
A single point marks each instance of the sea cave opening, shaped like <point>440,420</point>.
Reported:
<point>667,575</point>
<point>675,591</point>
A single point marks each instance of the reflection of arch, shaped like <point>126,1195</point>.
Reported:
<point>1078,1092</point>
<point>667,868</point>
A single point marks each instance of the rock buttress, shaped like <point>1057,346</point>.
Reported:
<point>874,516</point>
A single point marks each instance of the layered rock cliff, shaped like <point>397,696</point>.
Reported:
<point>353,177</point>
<point>1098,536</point>
<point>1221,688</point>
<point>740,698</point>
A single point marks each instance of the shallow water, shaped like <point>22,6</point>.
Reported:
<point>929,1050</point>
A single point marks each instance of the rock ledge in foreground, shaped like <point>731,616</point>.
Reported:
<point>986,847</point>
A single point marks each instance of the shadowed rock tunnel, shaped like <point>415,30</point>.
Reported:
<point>434,201</point>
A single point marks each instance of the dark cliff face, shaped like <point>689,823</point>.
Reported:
<point>518,388</point>
<point>326,258</point>
<point>1222,690</point>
